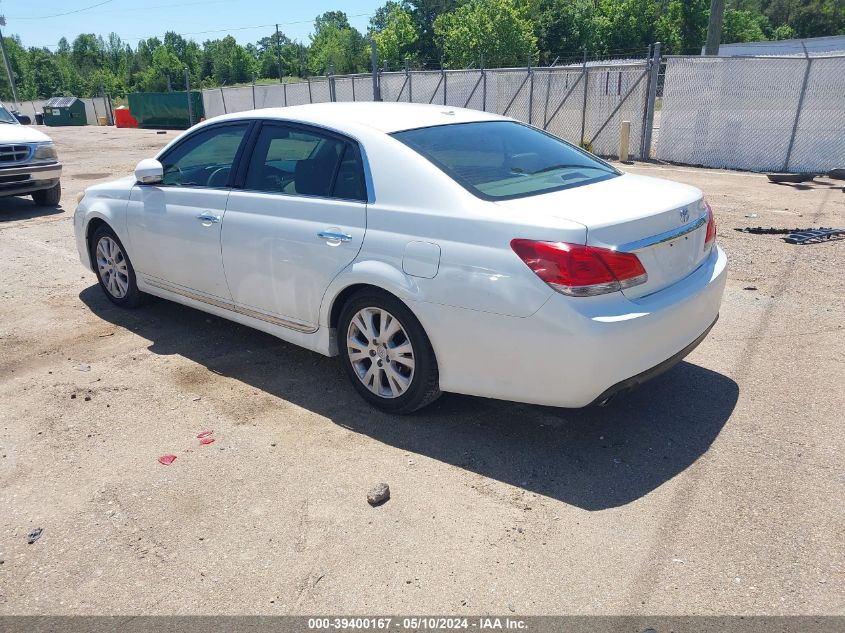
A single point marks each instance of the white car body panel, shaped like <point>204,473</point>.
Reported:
<point>16,133</point>
<point>168,242</point>
<point>275,261</point>
<point>496,328</point>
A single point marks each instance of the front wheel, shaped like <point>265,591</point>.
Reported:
<point>48,197</point>
<point>114,269</point>
<point>386,353</point>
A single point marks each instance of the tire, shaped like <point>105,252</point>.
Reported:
<point>394,381</point>
<point>114,269</point>
<point>48,197</point>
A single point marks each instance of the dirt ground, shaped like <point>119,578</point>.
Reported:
<point>718,488</point>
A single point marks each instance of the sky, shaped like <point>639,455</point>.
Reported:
<point>246,20</point>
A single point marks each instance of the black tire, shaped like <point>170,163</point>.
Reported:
<point>48,197</point>
<point>424,387</point>
<point>133,297</point>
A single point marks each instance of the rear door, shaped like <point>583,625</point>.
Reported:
<point>174,226</point>
<point>298,219</point>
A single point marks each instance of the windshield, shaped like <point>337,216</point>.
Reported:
<point>6,116</point>
<point>497,160</point>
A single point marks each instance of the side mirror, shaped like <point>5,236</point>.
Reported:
<point>149,171</point>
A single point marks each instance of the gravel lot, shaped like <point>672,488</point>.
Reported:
<point>717,488</point>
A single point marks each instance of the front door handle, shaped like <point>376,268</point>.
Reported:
<point>208,219</point>
<point>332,236</point>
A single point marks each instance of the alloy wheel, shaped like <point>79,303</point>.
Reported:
<point>380,352</point>
<point>113,267</point>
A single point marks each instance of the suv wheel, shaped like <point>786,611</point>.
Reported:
<point>386,353</point>
<point>114,269</point>
<point>48,197</point>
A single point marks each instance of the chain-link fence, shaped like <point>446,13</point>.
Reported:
<point>584,104</point>
<point>754,113</point>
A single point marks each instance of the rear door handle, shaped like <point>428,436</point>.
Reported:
<point>332,236</point>
<point>208,218</point>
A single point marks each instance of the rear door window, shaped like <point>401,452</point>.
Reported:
<point>295,161</point>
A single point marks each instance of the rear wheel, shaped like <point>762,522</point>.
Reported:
<point>386,353</point>
<point>48,197</point>
<point>114,269</point>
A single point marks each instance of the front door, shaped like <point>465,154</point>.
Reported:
<point>298,221</point>
<point>174,226</point>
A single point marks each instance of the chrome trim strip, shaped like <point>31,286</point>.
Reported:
<point>666,236</point>
<point>39,171</point>
<point>226,305</point>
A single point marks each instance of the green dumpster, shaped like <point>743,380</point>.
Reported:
<point>165,109</point>
<point>64,111</point>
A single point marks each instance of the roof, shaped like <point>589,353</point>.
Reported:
<point>60,102</point>
<point>814,46</point>
<point>387,117</point>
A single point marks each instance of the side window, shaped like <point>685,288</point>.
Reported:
<point>293,161</point>
<point>205,158</point>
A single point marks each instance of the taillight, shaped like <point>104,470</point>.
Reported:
<point>710,236</point>
<point>578,270</point>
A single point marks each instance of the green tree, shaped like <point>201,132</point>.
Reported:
<point>497,29</point>
<point>379,19</point>
<point>396,39</point>
<point>335,44</point>
<point>424,14</point>
<point>563,27</point>
<point>744,26</point>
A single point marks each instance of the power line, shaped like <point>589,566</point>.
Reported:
<point>127,9</point>
<point>58,15</point>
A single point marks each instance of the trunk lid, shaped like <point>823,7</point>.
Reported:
<point>663,222</point>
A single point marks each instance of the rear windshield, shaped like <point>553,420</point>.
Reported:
<point>498,160</point>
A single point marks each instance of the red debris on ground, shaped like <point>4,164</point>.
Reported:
<point>206,440</point>
<point>205,434</point>
<point>166,459</point>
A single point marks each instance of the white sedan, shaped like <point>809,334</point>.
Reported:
<point>431,248</point>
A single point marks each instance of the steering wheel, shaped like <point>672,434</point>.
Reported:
<point>210,181</point>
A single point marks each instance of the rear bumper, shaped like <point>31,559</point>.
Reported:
<point>24,179</point>
<point>635,381</point>
<point>574,351</point>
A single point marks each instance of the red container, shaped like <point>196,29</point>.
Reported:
<point>124,118</point>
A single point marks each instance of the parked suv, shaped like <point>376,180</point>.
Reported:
<point>29,164</point>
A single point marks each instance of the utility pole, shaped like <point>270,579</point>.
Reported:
<point>714,27</point>
<point>279,52</point>
<point>8,65</point>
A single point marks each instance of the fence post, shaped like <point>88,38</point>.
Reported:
<point>310,96</point>
<point>483,85</point>
<point>530,90</point>
<point>548,90</point>
<point>584,105</point>
<point>285,93</point>
<point>188,96</point>
<point>443,73</point>
<point>223,99</point>
<point>645,105</point>
<point>253,92</point>
<point>798,110</point>
<point>374,67</point>
<point>332,93</point>
<point>408,79</point>
<point>648,128</point>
